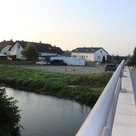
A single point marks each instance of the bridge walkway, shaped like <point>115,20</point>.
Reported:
<point>125,117</point>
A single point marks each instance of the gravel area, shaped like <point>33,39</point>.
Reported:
<point>68,69</point>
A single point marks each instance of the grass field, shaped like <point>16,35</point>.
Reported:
<point>85,88</point>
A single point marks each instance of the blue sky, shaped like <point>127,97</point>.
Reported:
<point>110,24</point>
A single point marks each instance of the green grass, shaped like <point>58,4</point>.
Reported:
<point>82,88</point>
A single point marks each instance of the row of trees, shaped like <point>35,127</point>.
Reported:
<point>133,58</point>
<point>117,59</point>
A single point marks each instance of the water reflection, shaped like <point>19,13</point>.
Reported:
<point>48,116</point>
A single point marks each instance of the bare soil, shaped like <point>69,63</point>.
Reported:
<point>68,69</point>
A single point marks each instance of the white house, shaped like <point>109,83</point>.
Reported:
<point>14,49</point>
<point>5,46</point>
<point>97,54</point>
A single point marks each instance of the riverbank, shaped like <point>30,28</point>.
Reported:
<point>84,88</point>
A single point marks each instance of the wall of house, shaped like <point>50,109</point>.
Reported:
<point>47,54</point>
<point>86,56</point>
<point>98,55</point>
<point>16,50</point>
<point>5,50</point>
<point>44,56</point>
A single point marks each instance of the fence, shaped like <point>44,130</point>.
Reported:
<point>100,120</point>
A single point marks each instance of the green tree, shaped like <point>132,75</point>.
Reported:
<point>103,60</point>
<point>9,115</point>
<point>133,57</point>
<point>30,52</point>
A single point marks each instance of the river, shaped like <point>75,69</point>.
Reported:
<point>43,115</point>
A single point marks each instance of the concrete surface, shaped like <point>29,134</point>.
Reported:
<point>125,117</point>
<point>133,76</point>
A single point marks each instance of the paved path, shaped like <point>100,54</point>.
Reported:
<point>133,75</point>
<point>69,69</point>
<point>125,117</point>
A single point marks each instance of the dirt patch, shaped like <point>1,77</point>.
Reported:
<point>69,69</point>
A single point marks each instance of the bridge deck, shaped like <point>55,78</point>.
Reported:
<point>125,117</point>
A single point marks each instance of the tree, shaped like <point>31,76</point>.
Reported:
<point>30,52</point>
<point>133,57</point>
<point>9,115</point>
<point>103,60</point>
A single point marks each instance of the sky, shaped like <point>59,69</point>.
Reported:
<point>69,24</point>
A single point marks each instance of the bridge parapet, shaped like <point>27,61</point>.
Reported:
<point>100,120</point>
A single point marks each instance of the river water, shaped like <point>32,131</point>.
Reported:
<point>43,115</point>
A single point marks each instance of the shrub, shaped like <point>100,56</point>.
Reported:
<point>9,115</point>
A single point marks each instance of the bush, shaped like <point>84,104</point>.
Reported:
<point>9,115</point>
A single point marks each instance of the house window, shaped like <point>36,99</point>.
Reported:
<point>101,51</point>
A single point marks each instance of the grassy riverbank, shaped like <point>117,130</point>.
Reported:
<point>82,88</point>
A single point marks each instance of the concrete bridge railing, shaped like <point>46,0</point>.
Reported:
<point>100,120</point>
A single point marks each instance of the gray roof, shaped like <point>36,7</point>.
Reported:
<point>87,49</point>
<point>4,43</point>
<point>41,47</point>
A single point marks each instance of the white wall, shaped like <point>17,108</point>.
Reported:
<point>98,55</point>
<point>16,50</point>
<point>47,54</point>
<point>5,50</point>
<point>70,60</point>
<point>43,56</point>
<point>86,56</point>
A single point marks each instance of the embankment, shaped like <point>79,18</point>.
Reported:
<point>84,88</point>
